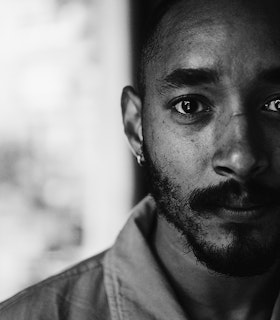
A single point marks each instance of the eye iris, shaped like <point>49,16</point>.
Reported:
<point>277,105</point>
<point>190,106</point>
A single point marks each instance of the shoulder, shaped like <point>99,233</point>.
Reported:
<point>77,293</point>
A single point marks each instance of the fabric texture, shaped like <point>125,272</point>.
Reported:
<point>124,283</point>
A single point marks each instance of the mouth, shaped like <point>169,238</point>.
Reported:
<point>243,213</point>
<point>244,208</point>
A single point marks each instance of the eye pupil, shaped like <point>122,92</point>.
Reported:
<point>191,105</point>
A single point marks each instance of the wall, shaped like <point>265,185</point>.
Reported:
<point>65,166</point>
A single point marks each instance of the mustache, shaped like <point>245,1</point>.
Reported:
<point>233,194</point>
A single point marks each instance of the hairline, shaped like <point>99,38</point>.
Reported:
<point>156,31</point>
<point>150,45</point>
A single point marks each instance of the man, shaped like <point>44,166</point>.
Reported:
<point>205,122</point>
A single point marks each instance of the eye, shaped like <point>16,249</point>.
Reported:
<point>272,105</point>
<point>189,106</point>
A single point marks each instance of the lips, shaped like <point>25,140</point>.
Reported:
<point>243,213</point>
<point>242,204</point>
<point>243,208</point>
<point>232,198</point>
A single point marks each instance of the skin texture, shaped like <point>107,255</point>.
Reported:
<point>230,133</point>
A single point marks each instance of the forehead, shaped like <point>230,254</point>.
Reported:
<point>229,36</point>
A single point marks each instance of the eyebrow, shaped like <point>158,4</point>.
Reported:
<point>190,77</point>
<point>271,75</point>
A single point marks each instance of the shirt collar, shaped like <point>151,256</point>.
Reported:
<point>135,283</point>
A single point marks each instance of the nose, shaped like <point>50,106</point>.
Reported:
<point>240,153</point>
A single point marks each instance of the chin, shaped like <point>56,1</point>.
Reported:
<point>231,249</point>
<point>241,254</point>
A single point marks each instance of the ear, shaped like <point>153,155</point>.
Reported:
<point>132,120</point>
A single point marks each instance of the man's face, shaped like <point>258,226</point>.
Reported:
<point>211,127</point>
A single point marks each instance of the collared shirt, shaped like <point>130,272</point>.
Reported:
<point>124,283</point>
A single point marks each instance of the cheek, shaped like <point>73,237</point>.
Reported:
<point>271,147</point>
<point>276,159</point>
<point>182,156</point>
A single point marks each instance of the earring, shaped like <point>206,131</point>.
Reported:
<point>140,159</point>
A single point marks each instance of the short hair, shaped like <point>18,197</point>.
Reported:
<point>151,42</point>
<point>152,36</point>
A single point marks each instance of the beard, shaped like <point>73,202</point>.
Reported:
<point>244,255</point>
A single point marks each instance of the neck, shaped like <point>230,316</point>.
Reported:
<point>205,294</point>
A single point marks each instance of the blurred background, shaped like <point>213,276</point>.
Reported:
<point>67,177</point>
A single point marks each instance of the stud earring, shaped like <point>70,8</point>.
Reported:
<point>140,159</point>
